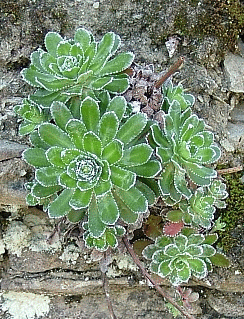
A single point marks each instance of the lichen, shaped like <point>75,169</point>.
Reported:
<point>70,254</point>
<point>22,305</point>
<point>2,247</point>
<point>121,263</point>
<point>17,237</point>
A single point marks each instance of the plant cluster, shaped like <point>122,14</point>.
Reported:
<point>103,166</point>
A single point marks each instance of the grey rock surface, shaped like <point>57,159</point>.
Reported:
<point>234,68</point>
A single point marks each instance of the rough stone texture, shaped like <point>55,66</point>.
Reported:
<point>206,32</point>
<point>234,68</point>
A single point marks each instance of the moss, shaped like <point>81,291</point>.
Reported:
<point>234,212</point>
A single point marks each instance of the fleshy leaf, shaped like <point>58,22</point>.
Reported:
<point>54,136</point>
<point>122,178</point>
<point>92,144</point>
<point>220,260</point>
<point>95,225</point>
<point>113,151</point>
<point>80,199</point>
<point>132,128</point>
<point>76,130</point>
<point>36,157</point>
<point>90,114</point>
<point>108,209</point>
<point>60,206</point>
<point>61,114</point>
<point>108,127</point>
<point>136,155</point>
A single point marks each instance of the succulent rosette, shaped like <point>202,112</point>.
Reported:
<point>77,67</point>
<point>171,93</point>
<point>185,149</point>
<point>92,163</point>
<point>181,257</point>
<point>200,208</point>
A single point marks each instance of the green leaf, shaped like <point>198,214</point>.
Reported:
<point>67,181</point>
<point>136,155</point>
<point>103,52</point>
<point>36,157</point>
<point>118,64</point>
<point>198,266</point>
<point>52,40</point>
<point>171,250</point>
<point>102,187</point>
<point>40,191</point>
<point>208,251</point>
<point>108,209</point>
<point>113,151</point>
<point>92,144</point>
<point>148,169</point>
<point>111,239</point>
<point>80,199</point>
<point>95,225</point>
<point>195,239</point>
<point>26,128</point>
<point>36,59</point>
<point>48,176</point>
<point>31,200</point>
<point>200,175</point>
<point>133,198</point>
<point>108,127</point>
<point>126,214</point>
<point>132,128</point>
<point>54,156</point>
<point>63,49</point>
<point>45,98</point>
<point>90,114</point>
<point>210,239</point>
<point>100,83</point>
<point>122,178</point>
<point>146,191</point>
<point>220,260</point>
<point>118,85</point>
<point>75,216</point>
<point>149,251</point>
<point>184,274</point>
<point>54,136</point>
<point>159,136</point>
<point>37,141</point>
<point>61,114</point>
<point>69,155</point>
<point>164,269</point>
<point>83,37</point>
<point>175,215</point>
<point>54,85</point>
<point>76,130</point>
<point>60,206</point>
<point>118,106</point>
<point>181,185</point>
<point>181,242</point>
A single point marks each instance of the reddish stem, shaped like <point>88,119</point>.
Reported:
<point>170,72</point>
<point>154,283</point>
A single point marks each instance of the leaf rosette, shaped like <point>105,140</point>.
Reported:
<point>181,257</point>
<point>176,93</point>
<point>77,67</point>
<point>92,163</point>
<point>200,208</point>
<point>185,148</point>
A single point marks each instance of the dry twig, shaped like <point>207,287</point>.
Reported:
<point>154,283</point>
